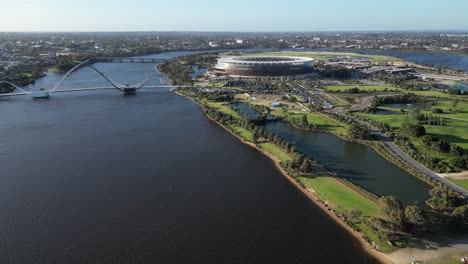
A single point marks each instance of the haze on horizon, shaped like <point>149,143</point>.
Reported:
<point>234,15</point>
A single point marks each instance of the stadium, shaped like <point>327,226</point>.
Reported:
<point>263,66</point>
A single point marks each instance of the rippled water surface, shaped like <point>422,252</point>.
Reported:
<point>98,177</point>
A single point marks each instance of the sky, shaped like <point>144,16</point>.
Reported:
<point>233,15</point>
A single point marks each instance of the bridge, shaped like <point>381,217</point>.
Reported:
<point>126,89</point>
<point>137,60</point>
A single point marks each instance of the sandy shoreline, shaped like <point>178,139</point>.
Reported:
<point>312,197</point>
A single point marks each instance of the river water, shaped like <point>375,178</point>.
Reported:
<point>355,162</point>
<point>434,58</point>
<point>98,177</point>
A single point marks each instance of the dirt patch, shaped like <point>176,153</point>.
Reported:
<point>459,175</point>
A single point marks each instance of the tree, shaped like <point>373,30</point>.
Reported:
<point>415,114</point>
<point>392,210</point>
<point>443,199</point>
<point>305,166</point>
<point>359,132</point>
<point>413,130</point>
<point>428,139</point>
<point>355,214</point>
<point>442,146</point>
<point>305,122</point>
<point>414,215</point>
<point>456,150</point>
<point>460,213</point>
<point>461,162</point>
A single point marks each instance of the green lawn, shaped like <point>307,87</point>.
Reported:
<point>247,135</point>
<point>455,121</point>
<point>325,122</point>
<point>339,195</point>
<point>320,55</point>
<point>459,182</point>
<point>394,121</point>
<point>224,107</point>
<point>336,100</point>
<point>276,151</point>
<point>437,93</point>
<point>454,131</point>
<point>454,109</point>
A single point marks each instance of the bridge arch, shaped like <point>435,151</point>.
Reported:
<point>15,86</point>
<point>114,84</point>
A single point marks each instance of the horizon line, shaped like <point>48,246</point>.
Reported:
<point>239,31</point>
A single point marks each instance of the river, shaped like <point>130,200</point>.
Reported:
<point>98,177</point>
<point>437,59</point>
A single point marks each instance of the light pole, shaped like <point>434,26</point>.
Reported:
<point>425,253</point>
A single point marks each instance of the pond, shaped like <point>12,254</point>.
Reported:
<point>408,106</point>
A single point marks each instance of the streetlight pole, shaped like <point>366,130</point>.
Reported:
<point>425,253</point>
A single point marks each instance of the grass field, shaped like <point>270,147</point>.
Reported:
<point>223,107</point>
<point>437,93</point>
<point>325,122</point>
<point>378,88</point>
<point>319,55</point>
<point>455,121</point>
<point>459,182</point>
<point>393,121</point>
<point>276,151</point>
<point>454,131</point>
<point>337,194</point>
<point>247,135</point>
<point>454,109</point>
<point>336,100</point>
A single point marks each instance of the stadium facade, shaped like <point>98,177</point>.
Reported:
<point>269,66</point>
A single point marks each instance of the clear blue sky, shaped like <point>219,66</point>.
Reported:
<point>234,15</point>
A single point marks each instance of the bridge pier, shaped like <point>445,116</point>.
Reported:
<point>129,90</point>
<point>40,94</point>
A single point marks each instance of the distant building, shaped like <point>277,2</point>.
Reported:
<point>275,104</point>
<point>239,41</point>
<point>51,54</point>
<point>263,66</point>
<point>213,44</point>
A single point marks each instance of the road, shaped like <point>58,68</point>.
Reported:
<point>367,101</point>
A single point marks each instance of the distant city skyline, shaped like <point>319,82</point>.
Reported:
<point>235,16</point>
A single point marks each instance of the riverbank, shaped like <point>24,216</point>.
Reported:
<point>310,193</point>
